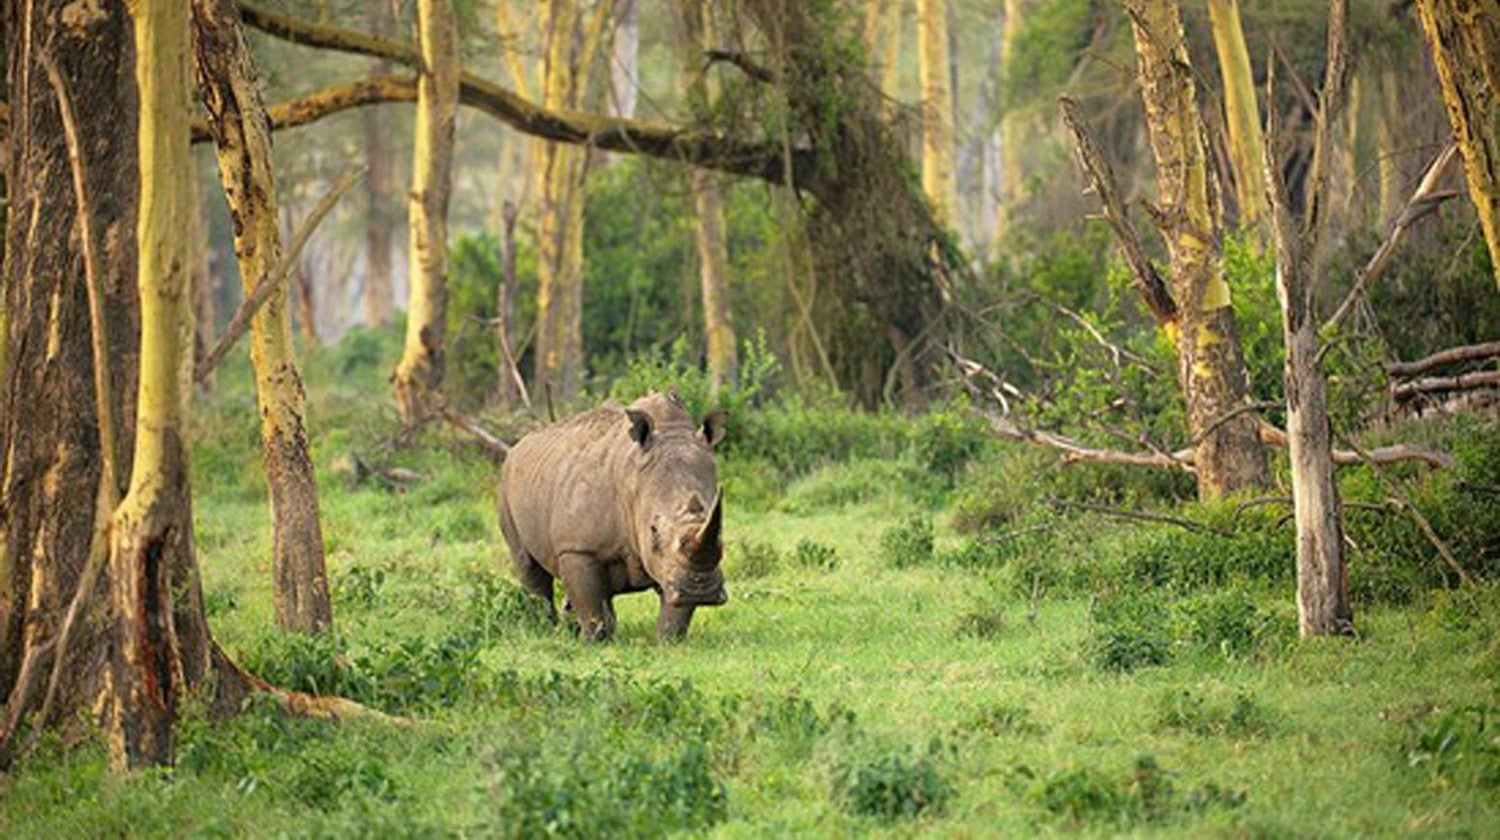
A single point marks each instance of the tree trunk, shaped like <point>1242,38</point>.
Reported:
<point>242,133</point>
<point>151,537</point>
<point>708,206</point>
<point>1322,578</point>
<point>420,370</point>
<point>202,282</point>
<point>1388,147</point>
<point>512,389</point>
<point>561,170</point>
<point>1211,365</point>
<point>624,70</point>
<point>1465,39</point>
<point>1012,125</point>
<point>1241,115</point>
<point>934,68</point>
<point>380,199</point>
<point>52,457</point>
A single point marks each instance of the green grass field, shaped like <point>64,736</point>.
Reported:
<point>858,682</point>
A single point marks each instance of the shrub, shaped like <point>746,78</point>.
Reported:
<point>981,622</point>
<point>894,786</point>
<point>1129,632</point>
<point>834,486</point>
<point>1006,719</point>
<point>908,543</point>
<point>814,555</point>
<point>1148,794</point>
<point>1456,746</point>
<point>1242,716</point>
<point>749,559</point>
<point>1230,623</point>
<point>945,440</point>
<point>497,608</point>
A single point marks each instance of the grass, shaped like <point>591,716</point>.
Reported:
<point>862,695</point>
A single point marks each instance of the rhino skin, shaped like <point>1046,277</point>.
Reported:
<point>616,500</point>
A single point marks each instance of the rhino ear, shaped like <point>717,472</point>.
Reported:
<point>713,427</point>
<point>640,426</point>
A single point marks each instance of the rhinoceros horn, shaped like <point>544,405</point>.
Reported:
<point>706,541</point>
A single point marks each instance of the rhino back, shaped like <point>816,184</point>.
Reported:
<point>561,485</point>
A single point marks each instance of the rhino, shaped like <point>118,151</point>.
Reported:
<point>615,500</point>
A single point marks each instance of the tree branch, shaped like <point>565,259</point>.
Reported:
<point>766,161</point>
<point>1444,384</point>
<point>1453,355</point>
<point>747,65</point>
<point>1101,176</point>
<point>272,281</point>
<point>1424,200</point>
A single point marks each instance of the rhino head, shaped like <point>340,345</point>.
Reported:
<point>678,505</point>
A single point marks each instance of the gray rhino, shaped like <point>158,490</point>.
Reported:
<point>616,500</point>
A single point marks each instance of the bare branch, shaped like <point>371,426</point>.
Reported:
<point>746,64</point>
<point>1445,384</point>
<point>1143,516</point>
<point>1424,200</point>
<point>272,281</point>
<point>766,161</point>
<point>469,425</point>
<point>1453,355</point>
<point>1153,290</point>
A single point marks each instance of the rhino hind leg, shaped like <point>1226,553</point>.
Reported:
<point>587,590</point>
<point>537,582</point>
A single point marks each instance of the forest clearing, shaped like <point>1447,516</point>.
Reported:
<point>1052,418</point>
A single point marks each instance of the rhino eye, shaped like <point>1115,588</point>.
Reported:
<point>655,538</point>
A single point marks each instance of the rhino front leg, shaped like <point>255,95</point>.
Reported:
<point>672,622</point>
<point>587,590</point>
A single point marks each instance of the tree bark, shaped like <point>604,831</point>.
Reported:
<point>934,68</point>
<point>624,70</point>
<point>1012,124</point>
<point>571,49</point>
<point>1211,365</point>
<point>1464,36</point>
<point>708,206</point>
<point>151,534</point>
<point>49,427</point>
<point>378,296</point>
<point>1323,606</point>
<point>229,85</point>
<point>1241,114</point>
<point>420,370</point>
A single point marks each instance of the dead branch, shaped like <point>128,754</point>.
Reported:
<point>467,424</point>
<point>1147,281</point>
<point>1272,436</point>
<point>745,63</point>
<point>1425,199</point>
<point>272,281</point>
<point>1422,523</point>
<point>1452,355</point>
<point>1073,451</point>
<point>1407,391</point>
<point>1143,516</point>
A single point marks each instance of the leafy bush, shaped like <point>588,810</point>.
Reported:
<point>945,440</point>
<point>1129,631</point>
<point>980,622</point>
<point>497,608</point>
<point>591,794</point>
<point>749,559</point>
<point>814,555</point>
<point>1147,795</point>
<point>909,543</point>
<point>1242,716</point>
<point>1456,746</point>
<point>1232,624</point>
<point>1183,561</point>
<point>852,482</point>
<point>751,484</point>
<point>1007,719</point>
<point>894,786</point>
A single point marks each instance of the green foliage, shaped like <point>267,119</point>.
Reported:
<point>897,785</point>
<point>1458,746</point>
<point>814,556</point>
<point>1239,717</point>
<point>1182,560</point>
<point>1149,794</point>
<point>1130,631</point>
<point>1007,720</point>
<point>750,559</point>
<point>498,609</point>
<point>595,795</point>
<point>946,439</point>
<point>908,543</point>
<point>858,481</point>
<point>1232,624</point>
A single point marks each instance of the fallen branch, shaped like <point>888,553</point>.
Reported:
<point>272,281</point>
<point>1425,199</point>
<point>1445,384</point>
<point>1422,523</point>
<point>1272,436</point>
<point>1453,355</point>
<point>483,436</point>
<point>1142,516</point>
